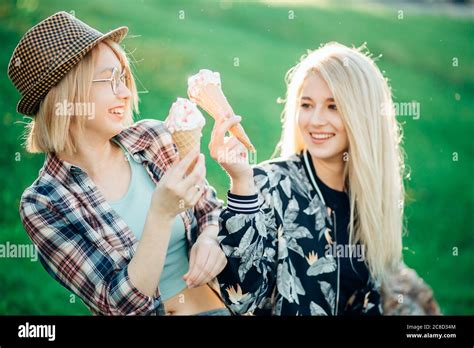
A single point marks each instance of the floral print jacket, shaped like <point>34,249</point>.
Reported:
<point>275,246</point>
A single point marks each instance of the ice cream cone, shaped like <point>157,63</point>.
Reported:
<point>186,141</point>
<point>185,123</point>
<point>205,90</point>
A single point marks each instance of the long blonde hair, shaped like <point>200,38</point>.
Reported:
<point>374,170</point>
<point>49,131</point>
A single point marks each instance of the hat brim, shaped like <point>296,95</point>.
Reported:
<point>31,100</point>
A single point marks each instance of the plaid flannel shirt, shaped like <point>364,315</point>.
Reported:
<point>83,243</point>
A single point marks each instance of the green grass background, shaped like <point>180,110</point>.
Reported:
<point>417,51</point>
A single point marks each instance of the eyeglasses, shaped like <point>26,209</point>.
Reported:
<point>115,79</point>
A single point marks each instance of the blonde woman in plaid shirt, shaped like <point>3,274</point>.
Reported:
<point>85,244</point>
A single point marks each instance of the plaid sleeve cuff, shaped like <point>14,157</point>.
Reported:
<point>210,219</point>
<point>128,300</point>
<point>242,204</point>
<point>208,208</point>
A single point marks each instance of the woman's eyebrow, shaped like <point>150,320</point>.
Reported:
<point>110,68</point>
<point>330,99</point>
<point>105,70</point>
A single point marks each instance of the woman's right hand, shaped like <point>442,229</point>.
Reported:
<point>232,155</point>
<point>177,191</point>
<point>229,152</point>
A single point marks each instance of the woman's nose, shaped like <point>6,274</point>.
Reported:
<point>123,91</point>
<point>318,117</point>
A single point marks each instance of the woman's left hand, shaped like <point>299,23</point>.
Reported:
<point>206,261</point>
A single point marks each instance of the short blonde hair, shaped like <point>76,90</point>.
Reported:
<point>50,132</point>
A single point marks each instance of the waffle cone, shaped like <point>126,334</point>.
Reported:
<point>187,141</point>
<point>213,101</point>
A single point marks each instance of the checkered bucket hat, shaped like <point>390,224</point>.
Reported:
<point>47,52</point>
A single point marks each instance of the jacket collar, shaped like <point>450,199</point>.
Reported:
<point>129,141</point>
<point>310,172</point>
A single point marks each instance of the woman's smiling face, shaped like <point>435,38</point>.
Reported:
<point>319,120</point>
<point>110,108</point>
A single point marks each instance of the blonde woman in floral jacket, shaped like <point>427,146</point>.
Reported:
<point>315,231</point>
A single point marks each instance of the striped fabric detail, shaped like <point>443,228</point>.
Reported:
<point>242,204</point>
